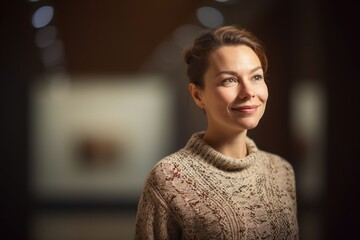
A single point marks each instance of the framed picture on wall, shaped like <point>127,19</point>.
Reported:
<point>98,137</point>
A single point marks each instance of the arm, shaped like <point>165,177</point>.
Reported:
<point>154,220</point>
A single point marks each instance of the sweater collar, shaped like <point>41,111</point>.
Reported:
<point>197,145</point>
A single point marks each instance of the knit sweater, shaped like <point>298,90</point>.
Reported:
<point>199,193</point>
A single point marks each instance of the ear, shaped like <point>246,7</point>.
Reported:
<point>197,95</point>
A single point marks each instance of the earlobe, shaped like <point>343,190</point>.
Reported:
<point>196,94</point>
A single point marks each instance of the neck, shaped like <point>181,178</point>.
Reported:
<point>232,144</point>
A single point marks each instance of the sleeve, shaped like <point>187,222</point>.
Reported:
<point>292,187</point>
<point>154,219</point>
<point>292,190</point>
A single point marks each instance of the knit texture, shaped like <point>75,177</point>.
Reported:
<point>199,193</point>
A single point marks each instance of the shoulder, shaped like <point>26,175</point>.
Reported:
<point>166,175</point>
<point>268,159</point>
<point>169,166</point>
<point>277,162</point>
<point>282,171</point>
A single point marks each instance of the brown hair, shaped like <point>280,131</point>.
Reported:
<point>196,56</point>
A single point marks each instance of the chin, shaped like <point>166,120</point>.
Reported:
<point>249,125</point>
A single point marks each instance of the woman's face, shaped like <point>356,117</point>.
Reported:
<point>235,93</point>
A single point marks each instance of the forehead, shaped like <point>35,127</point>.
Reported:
<point>234,57</point>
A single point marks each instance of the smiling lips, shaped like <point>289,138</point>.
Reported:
<point>246,109</point>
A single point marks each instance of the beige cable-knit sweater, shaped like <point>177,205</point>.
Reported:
<point>199,193</point>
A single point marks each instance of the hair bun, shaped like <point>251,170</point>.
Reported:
<point>188,55</point>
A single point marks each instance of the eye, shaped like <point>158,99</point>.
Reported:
<point>258,77</point>
<point>229,81</point>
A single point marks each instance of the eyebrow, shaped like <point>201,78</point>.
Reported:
<point>234,73</point>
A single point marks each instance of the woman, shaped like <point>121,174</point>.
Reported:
<point>220,185</point>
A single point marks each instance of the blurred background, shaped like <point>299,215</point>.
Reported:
<point>94,93</point>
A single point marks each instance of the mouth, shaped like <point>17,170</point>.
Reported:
<point>248,109</point>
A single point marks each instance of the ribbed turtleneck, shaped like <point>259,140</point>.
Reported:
<point>197,145</point>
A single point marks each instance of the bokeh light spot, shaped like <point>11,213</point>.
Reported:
<point>210,17</point>
<point>184,35</point>
<point>42,16</point>
<point>45,36</point>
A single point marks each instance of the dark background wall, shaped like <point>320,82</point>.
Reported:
<point>342,50</point>
<point>17,69</point>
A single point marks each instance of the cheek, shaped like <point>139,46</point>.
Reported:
<point>227,95</point>
<point>220,97</point>
<point>262,93</point>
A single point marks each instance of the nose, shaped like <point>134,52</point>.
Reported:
<point>246,91</point>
